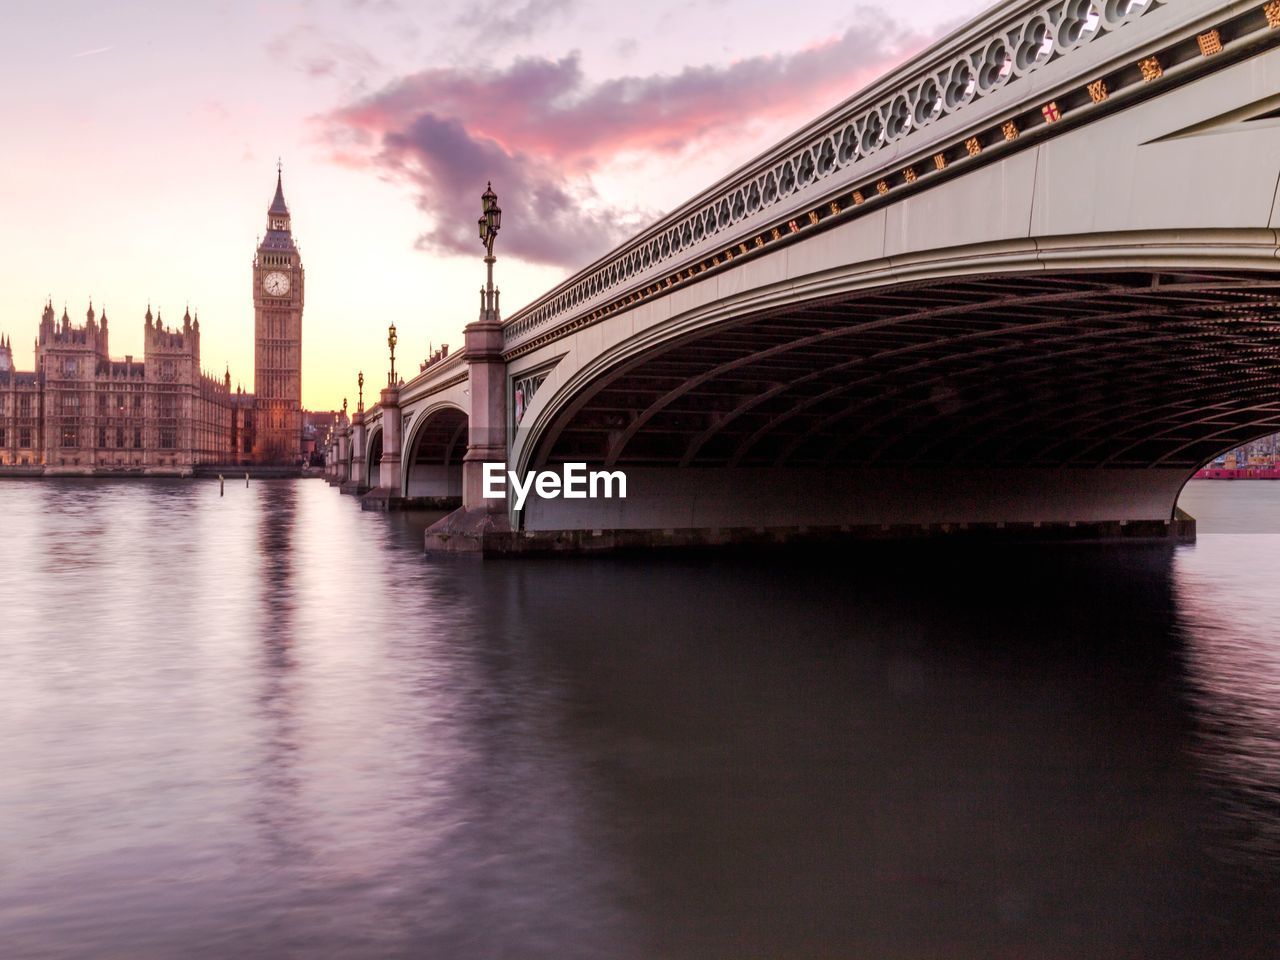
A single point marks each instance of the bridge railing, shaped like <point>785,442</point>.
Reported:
<point>1011,55</point>
<point>431,373</point>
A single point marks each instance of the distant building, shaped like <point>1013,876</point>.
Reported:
<point>243,432</point>
<point>81,411</point>
<point>318,428</point>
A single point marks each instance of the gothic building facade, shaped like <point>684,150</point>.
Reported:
<point>81,411</point>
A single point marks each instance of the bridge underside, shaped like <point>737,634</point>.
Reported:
<point>373,461</point>
<point>1037,398</point>
<point>433,472</point>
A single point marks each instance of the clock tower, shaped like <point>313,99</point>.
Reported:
<point>277,354</point>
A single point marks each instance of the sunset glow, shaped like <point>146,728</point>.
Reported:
<point>140,166</point>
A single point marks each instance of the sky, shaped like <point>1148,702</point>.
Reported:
<point>140,143</point>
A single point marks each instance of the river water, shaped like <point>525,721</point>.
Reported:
<point>263,725</point>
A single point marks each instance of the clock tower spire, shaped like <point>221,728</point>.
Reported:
<point>277,308</point>
<point>278,212</point>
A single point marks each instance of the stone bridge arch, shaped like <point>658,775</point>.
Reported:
<point>1078,380</point>
<point>373,458</point>
<point>434,450</point>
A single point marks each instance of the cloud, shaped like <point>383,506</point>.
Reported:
<point>450,166</point>
<point>496,20</point>
<point>540,129</point>
<point>320,55</point>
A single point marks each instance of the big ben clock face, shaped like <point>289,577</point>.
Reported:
<point>276,283</point>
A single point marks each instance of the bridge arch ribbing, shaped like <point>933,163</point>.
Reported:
<point>1091,359</point>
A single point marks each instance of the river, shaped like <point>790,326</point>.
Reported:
<point>264,725</point>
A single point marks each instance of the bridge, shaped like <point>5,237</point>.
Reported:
<point>1027,281</point>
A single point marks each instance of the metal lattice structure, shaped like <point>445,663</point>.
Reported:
<point>1131,369</point>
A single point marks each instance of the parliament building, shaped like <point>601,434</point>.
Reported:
<point>82,411</point>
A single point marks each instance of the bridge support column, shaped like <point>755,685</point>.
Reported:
<point>487,417</point>
<point>354,483</point>
<point>388,495</point>
<point>479,517</point>
<point>343,445</point>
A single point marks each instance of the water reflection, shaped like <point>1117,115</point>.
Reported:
<point>276,509</point>
<point>1228,614</point>
<point>263,725</point>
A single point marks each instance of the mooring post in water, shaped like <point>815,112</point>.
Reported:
<point>246,479</point>
<point>221,485</point>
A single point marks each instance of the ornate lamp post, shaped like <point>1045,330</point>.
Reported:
<point>490,223</point>
<point>391,342</point>
<point>360,386</point>
<point>486,382</point>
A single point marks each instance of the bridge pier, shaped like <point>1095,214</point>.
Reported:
<point>331,463</point>
<point>354,483</point>
<point>388,494</point>
<point>479,517</point>
<point>487,417</point>
<point>342,444</point>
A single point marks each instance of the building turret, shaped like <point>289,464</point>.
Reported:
<point>6,355</point>
<point>46,324</point>
<point>90,337</point>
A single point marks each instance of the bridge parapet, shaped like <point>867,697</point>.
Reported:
<point>1013,72</point>
<point>432,375</point>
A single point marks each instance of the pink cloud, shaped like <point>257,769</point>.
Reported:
<point>539,129</point>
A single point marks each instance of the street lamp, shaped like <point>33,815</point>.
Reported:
<point>490,223</point>
<point>360,384</point>
<point>490,219</point>
<point>391,342</point>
